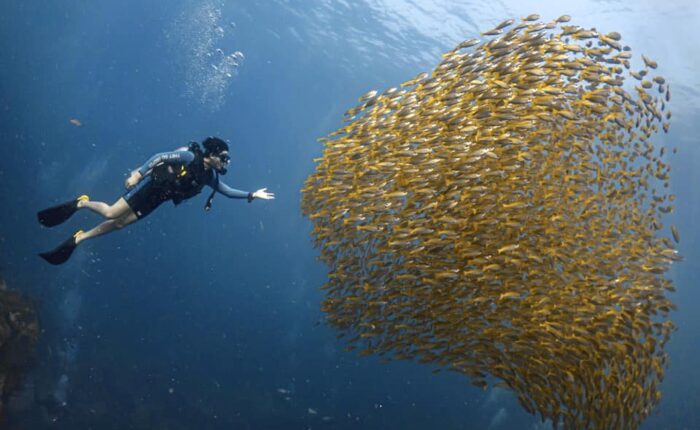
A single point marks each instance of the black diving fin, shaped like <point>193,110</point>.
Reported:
<point>63,252</point>
<point>56,215</point>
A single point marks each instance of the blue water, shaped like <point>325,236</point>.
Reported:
<point>211,320</point>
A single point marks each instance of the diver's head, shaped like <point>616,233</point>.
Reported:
<point>216,150</point>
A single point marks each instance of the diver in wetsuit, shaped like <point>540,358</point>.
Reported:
<point>176,176</point>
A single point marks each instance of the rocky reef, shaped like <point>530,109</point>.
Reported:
<point>19,331</point>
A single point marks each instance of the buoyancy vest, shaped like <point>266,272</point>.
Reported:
<point>182,181</point>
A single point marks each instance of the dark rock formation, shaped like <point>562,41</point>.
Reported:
<point>19,331</point>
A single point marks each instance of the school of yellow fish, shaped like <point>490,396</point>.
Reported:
<point>501,217</point>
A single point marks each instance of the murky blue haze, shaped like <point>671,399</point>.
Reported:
<point>211,320</point>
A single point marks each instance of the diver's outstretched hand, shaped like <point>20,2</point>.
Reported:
<point>263,194</point>
<point>133,179</point>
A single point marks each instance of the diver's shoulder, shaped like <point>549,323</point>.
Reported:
<point>179,154</point>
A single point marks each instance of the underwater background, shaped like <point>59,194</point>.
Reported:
<point>190,319</point>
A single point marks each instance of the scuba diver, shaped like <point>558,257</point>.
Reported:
<point>176,176</point>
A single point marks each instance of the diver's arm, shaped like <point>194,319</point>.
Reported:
<point>166,157</point>
<point>178,156</point>
<point>229,192</point>
<point>238,194</point>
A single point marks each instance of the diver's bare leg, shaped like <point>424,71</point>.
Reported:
<point>118,209</point>
<point>108,226</point>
